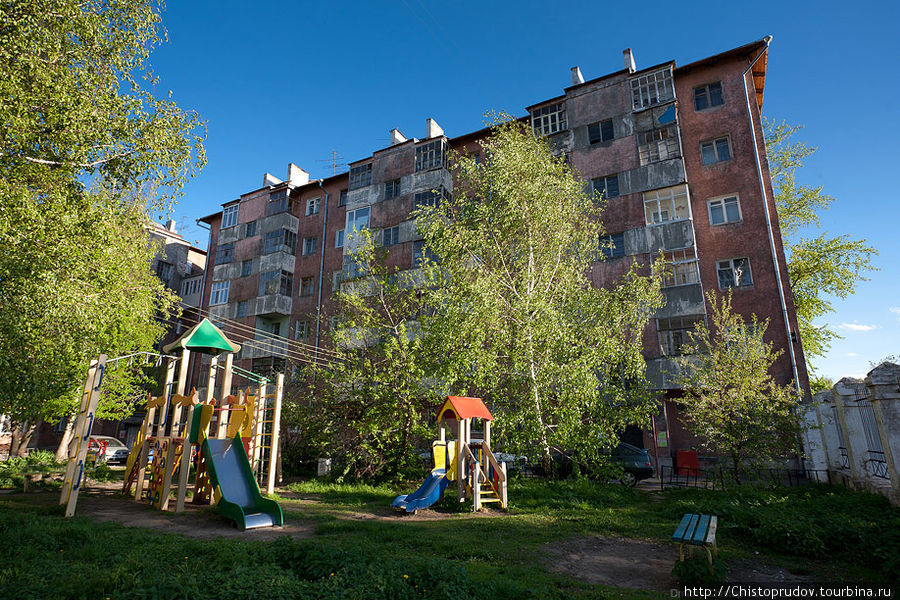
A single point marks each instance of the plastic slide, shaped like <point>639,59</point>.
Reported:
<point>229,469</point>
<point>427,494</point>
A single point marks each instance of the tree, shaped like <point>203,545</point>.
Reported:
<point>518,320</point>
<point>819,266</point>
<point>731,403</point>
<point>86,155</point>
<point>369,404</point>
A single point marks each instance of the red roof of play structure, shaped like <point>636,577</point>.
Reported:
<point>466,408</point>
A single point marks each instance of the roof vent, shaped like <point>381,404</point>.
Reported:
<point>628,57</point>
<point>397,137</point>
<point>577,77</point>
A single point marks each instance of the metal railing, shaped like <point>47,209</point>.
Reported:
<point>722,477</point>
<point>876,464</point>
<point>845,458</point>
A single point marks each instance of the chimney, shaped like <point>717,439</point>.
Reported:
<point>577,77</point>
<point>296,175</point>
<point>432,129</point>
<point>170,225</point>
<point>397,137</point>
<point>269,179</point>
<point>628,57</point>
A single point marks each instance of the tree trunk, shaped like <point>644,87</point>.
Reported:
<point>62,451</point>
<point>546,459</point>
<point>736,462</point>
<point>21,436</point>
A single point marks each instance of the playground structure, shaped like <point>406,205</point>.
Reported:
<point>466,460</point>
<point>165,451</point>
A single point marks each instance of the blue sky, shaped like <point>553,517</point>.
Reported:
<point>281,82</point>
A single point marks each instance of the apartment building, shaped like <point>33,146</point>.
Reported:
<point>677,150</point>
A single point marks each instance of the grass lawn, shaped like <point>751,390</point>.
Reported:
<point>359,549</point>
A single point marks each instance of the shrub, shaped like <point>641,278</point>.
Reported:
<point>697,571</point>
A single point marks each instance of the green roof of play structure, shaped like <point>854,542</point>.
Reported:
<point>206,338</point>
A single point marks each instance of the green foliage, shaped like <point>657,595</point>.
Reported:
<point>86,155</point>
<point>101,472</point>
<point>819,267</point>
<point>518,322</point>
<point>38,461</point>
<point>731,401</point>
<point>698,571</point>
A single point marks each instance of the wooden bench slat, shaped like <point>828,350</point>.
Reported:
<point>711,534</point>
<point>679,533</point>
<point>689,533</point>
<point>699,537</point>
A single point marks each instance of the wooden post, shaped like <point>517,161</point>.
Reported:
<point>167,475</point>
<point>255,441</point>
<point>183,371</point>
<point>211,380</point>
<point>276,430</point>
<point>185,468</point>
<point>476,487</point>
<point>487,432</point>
<point>504,486</point>
<point>226,378</point>
<point>460,458</point>
<point>168,392</point>
<point>82,433</point>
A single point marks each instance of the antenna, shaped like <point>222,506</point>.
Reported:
<point>335,161</point>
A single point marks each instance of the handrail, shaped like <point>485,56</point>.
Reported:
<point>501,476</point>
<point>472,458</point>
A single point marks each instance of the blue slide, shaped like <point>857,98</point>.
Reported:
<point>427,494</point>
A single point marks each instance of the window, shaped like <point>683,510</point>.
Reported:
<point>250,229</point>
<point>734,273</point>
<point>280,240</point>
<point>342,199</point>
<point>707,96</point>
<point>668,204</point>
<point>243,308</point>
<point>608,186</point>
<point>189,287</point>
<point>430,155</point>
<point>339,238</point>
<point>276,282</point>
<point>724,210</point>
<point>613,245</point>
<point>309,246</point>
<point>713,151</point>
<point>657,144</point>
<point>358,219</point>
<point>673,333</point>
<point>680,268</point>
<point>391,236</point>
<point>246,268</point>
<point>219,293</point>
<point>306,286</point>
<point>361,176</point>
<point>224,254</point>
<point>420,253</point>
<point>601,132</point>
<point>165,270</point>
<point>391,189</point>
<point>301,330</point>
<point>430,198</point>
<point>312,206</point>
<point>549,119</point>
<point>278,203</point>
<point>230,216</point>
<point>652,89</point>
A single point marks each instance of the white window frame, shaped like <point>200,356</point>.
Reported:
<point>313,206</point>
<point>652,89</point>
<point>668,199</point>
<point>659,143</point>
<point>339,238</point>
<point>680,267</point>
<point>431,155</point>
<point>219,293</point>
<point>392,186</point>
<point>672,339</point>
<point>714,143</point>
<point>230,215</point>
<point>312,287</point>
<point>310,245</point>
<point>722,201</point>
<point>352,217</point>
<point>394,235</point>
<point>728,264</point>
<point>549,119</point>
<point>360,176</point>
<point>301,329</point>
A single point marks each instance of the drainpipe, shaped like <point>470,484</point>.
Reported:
<point>765,196</point>
<point>321,270</point>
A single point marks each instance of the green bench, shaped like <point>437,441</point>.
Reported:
<point>697,530</point>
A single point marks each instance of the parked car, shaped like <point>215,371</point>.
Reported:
<point>108,449</point>
<point>635,463</point>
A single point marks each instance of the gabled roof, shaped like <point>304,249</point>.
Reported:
<point>465,408</point>
<point>206,338</point>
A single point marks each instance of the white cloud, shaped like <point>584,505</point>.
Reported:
<point>858,327</point>
<point>852,354</point>
<point>896,311</point>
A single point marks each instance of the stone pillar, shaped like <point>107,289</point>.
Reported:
<point>846,391</point>
<point>831,439</point>
<point>884,385</point>
<point>813,441</point>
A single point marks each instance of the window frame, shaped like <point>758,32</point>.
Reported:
<point>680,267</point>
<point>390,236</point>
<point>218,293</point>
<point>301,329</point>
<point>391,189</point>
<point>313,206</point>
<point>278,203</point>
<point>250,228</point>
<point>731,267</point>
<point>304,290</point>
<point>600,129</point>
<point>352,215</point>
<point>360,176</point>
<point>310,246</point>
<point>612,245</point>
<point>714,144</point>
<point>288,241</point>
<point>431,155</point>
<point>674,192</point>
<point>342,197</point>
<point>225,253</point>
<point>658,85</point>
<point>708,96</point>
<point>339,238</point>
<point>722,200</point>
<point>285,281</point>
<point>668,347</point>
<point>606,179</point>
<point>243,309</point>
<point>658,144</point>
<point>230,215</point>
<point>549,119</point>
<point>246,268</point>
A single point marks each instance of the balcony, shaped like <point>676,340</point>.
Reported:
<point>271,305</point>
